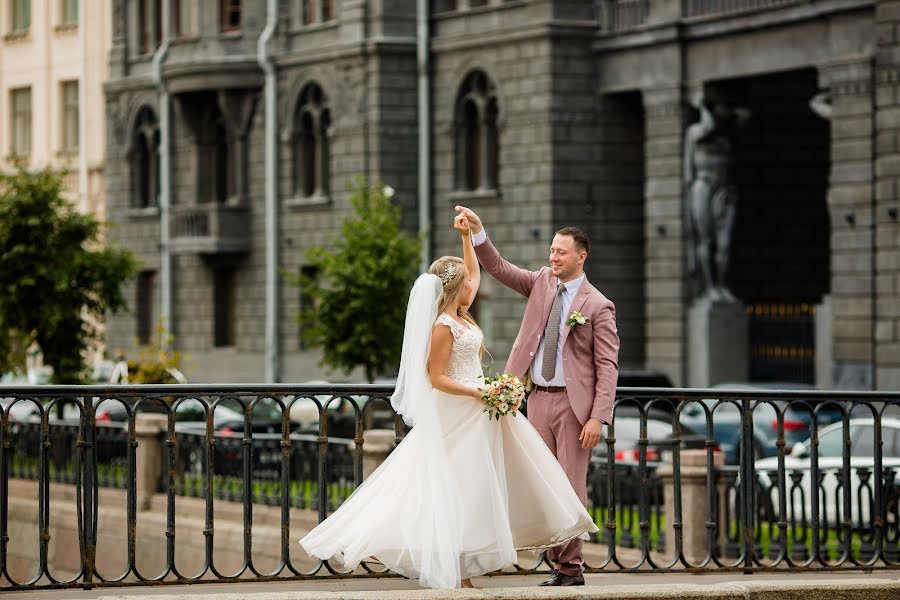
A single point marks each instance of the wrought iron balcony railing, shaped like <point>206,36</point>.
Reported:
<point>211,228</point>
<point>701,480</point>
<point>624,15</point>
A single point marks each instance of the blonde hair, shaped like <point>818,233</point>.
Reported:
<point>452,272</point>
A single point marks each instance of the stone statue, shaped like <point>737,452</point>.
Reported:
<point>711,198</point>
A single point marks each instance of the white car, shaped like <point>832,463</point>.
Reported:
<point>831,462</point>
<point>18,411</point>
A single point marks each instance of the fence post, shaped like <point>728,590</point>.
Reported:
<point>694,493</point>
<point>88,478</point>
<point>148,432</point>
<point>747,488</point>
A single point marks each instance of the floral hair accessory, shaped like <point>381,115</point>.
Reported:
<point>448,273</point>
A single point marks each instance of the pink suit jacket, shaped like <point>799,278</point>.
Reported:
<point>590,351</point>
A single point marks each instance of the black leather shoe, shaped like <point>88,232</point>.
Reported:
<point>560,579</point>
<point>551,580</point>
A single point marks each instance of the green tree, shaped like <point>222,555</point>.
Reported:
<point>359,296</point>
<point>57,279</point>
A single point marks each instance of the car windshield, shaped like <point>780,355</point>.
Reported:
<point>862,441</point>
<point>831,443</point>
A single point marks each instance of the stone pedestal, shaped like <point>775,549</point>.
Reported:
<point>149,432</point>
<point>377,444</point>
<point>694,503</point>
<point>718,342</point>
<point>824,344</point>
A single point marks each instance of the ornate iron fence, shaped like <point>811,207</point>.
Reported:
<point>661,506</point>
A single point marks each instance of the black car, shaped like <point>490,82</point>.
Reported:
<point>227,418</point>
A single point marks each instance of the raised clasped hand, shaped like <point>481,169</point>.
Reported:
<point>470,216</point>
<point>461,224</point>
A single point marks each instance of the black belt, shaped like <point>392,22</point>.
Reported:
<point>553,389</point>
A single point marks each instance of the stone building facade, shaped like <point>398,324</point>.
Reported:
<point>543,113</point>
<point>53,63</point>
<point>52,68</point>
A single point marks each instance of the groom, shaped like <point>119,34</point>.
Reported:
<point>569,344</point>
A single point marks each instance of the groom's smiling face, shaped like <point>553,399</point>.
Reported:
<point>566,260</point>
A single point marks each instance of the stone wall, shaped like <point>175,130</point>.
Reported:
<point>887,196</point>
<point>591,131</point>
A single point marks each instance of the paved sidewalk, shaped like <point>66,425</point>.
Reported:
<point>612,585</point>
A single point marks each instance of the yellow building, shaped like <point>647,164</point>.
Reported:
<point>53,62</point>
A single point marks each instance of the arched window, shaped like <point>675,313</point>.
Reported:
<point>215,172</point>
<point>477,140</point>
<point>309,144</point>
<point>144,160</point>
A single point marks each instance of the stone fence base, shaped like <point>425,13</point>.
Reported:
<point>882,588</point>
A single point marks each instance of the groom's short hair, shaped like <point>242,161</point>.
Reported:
<point>581,239</point>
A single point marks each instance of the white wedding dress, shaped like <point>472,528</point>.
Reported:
<point>460,494</point>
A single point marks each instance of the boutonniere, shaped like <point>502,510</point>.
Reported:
<point>576,319</point>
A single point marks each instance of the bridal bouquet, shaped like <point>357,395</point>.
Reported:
<point>503,395</point>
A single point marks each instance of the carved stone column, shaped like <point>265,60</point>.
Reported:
<point>847,102</point>
<point>149,432</point>
<point>664,112</point>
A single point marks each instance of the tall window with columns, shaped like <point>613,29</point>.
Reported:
<point>143,156</point>
<point>231,15</point>
<point>309,144</point>
<point>477,141</point>
<point>20,16</point>
<point>316,11</point>
<point>20,121</point>
<point>216,160</point>
<point>185,18</point>
<point>68,14</point>
<point>149,25</point>
<point>70,134</point>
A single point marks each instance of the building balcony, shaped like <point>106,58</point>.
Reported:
<point>618,16</point>
<point>210,228</point>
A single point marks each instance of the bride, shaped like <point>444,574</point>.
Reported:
<point>461,493</point>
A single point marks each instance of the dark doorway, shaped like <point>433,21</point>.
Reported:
<point>617,264</point>
<point>780,258</point>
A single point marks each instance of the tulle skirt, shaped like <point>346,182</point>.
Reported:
<point>438,510</point>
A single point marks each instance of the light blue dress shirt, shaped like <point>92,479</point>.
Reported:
<point>571,287</point>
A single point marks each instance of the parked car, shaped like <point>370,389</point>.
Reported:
<point>635,378</point>
<point>341,414</point>
<point>660,442</point>
<point>830,461</point>
<point>798,421</point>
<point>727,417</point>
<point>227,419</point>
<point>726,425</point>
<point>18,411</point>
<point>33,376</point>
<point>25,410</point>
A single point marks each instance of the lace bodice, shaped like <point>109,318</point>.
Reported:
<point>465,361</point>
